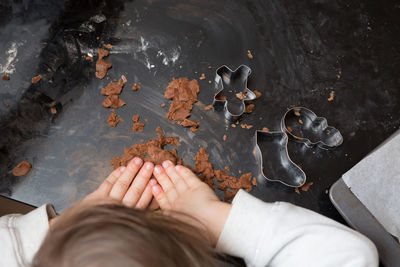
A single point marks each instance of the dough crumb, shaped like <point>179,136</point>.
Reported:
<point>257,93</point>
<point>241,95</point>
<point>113,119</point>
<point>297,191</point>
<point>53,111</point>
<point>89,59</point>
<point>202,77</point>
<point>114,88</point>
<point>102,65</point>
<point>227,168</point>
<point>331,96</point>
<point>163,105</point>
<point>224,137</point>
<point>249,108</point>
<point>5,77</point>
<point>265,129</point>
<point>137,125</point>
<point>36,79</point>
<point>246,126</point>
<point>233,125</point>
<point>208,107</point>
<point>249,54</point>
<point>254,182</point>
<point>306,186</point>
<point>109,46</point>
<point>113,101</point>
<point>136,87</point>
<point>22,168</point>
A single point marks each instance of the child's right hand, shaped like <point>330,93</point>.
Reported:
<point>179,189</point>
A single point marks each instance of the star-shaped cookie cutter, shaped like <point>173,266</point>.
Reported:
<point>232,91</point>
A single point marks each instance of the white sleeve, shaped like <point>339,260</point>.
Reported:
<point>283,235</point>
<point>22,235</point>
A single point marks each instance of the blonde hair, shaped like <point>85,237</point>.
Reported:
<point>117,236</point>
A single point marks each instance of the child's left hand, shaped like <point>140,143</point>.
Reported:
<point>131,185</point>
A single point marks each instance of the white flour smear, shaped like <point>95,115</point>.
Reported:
<point>7,64</point>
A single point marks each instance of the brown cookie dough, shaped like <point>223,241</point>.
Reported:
<point>5,77</point>
<point>113,101</point>
<point>22,168</point>
<point>113,119</point>
<point>233,183</point>
<point>203,167</point>
<point>257,93</point>
<point>152,151</point>
<point>36,79</point>
<point>189,123</point>
<point>102,65</point>
<point>183,94</point>
<point>135,87</point>
<point>114,88</point>
<point>137,125</point>
<point>246,126</point>
<point>208,107</point>
<point>241,95</point>
<point>249,108</point>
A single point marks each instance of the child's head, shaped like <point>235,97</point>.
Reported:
<point>116,236</point>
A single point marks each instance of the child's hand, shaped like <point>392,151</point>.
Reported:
<point>179,189</point>
<point>130,185</point>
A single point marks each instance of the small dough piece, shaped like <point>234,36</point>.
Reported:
<point>22,168</point>
<point>102,65</point>
<point>136,87</point>
<point>113,101</point>
<point>36,79</point>
<point>183,94</point>
<point>113,119</point>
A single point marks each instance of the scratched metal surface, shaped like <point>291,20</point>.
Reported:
<point>302,50</point>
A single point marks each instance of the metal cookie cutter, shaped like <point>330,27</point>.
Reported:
<point>276,165</point>
<point>232,91</point>
<point>305,126</point>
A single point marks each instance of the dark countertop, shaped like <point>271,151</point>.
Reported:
<point>302,51</point>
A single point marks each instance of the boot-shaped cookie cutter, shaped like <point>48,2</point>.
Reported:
<point>304,126</point>
<point>271,151</point>
<point>231,84</point>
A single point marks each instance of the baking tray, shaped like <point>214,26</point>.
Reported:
<point>289,46</point>
<point>358,217</point>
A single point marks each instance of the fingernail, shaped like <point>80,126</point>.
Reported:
<point>149,165</point>
<point>157,169</point>
<point>166,163</point>
<point>178,167</point>
<point>156,190</point>
<point>122,169</point>
<point>152,182</point>
<point>138,161</point>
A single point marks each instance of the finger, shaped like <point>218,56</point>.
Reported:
<point>190,178</point>
<point>166,184</point>
<point>138,185</point>
<point>105,187</point>
<point>175,177</point>
<point>122,184</point>
<point>146,197</point>
<point>161,197</point>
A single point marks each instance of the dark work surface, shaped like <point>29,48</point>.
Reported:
<point>302,51</point>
